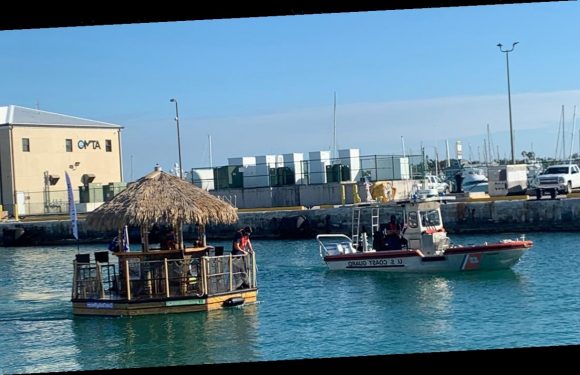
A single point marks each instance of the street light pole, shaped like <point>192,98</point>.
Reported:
<point>507,60</point>
<point>178,139</point>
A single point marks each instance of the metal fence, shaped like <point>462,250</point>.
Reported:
<point>308,172</point>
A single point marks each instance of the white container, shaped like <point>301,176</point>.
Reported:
<point>507,179</point>
<point>295,162</point>
<point>318,160</point>
<point>203,178</point>
<point>351,158</point>
<point>243,161</point>
<point>268,161</point>
<point>251,178</point>
<point>391,168</point>
<point>259,175</point>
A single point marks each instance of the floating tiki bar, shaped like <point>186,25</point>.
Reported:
<point>171,277</point>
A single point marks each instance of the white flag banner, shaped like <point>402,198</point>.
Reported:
<point>126,239</point>
<point>72,210</point>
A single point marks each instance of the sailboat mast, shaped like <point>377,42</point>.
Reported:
<point>334,131</point>
<point>436,162</point>
<point>558,136</point>
<point>572,140</point>
<point>447,147</point>
<point>470,153</point>
<point>485,151</point>
<point>490,153</point>
<point>210,156</point>
<point>563,135</point>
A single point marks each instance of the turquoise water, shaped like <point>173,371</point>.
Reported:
<point>304,311</point>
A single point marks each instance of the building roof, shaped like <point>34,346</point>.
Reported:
<point>15,115</point>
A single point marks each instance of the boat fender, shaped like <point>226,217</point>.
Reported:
<point>235,301</point>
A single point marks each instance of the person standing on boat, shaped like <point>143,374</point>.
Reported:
<point>242,245</point>
<point>167,241</point>
<point>458,182</point>
<point>393,237</point>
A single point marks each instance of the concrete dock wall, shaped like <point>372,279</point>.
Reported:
<point>519,216</point>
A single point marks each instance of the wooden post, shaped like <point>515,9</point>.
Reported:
<point>231,274</point>
<point>145,239</point>
<point>205,275</point>
<point>99,280</point>
<point>127,280</point>
<point>254,270</point>
<point>74,286</point>
<point>166,270</point>
<point>119,241</point>
<point>179,238</point>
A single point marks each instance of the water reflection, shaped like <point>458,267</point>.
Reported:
<point>410,312</point>
<point>168,340</point>
<point>305,311</point>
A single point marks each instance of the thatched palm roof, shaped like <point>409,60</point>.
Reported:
<point>161,198</point>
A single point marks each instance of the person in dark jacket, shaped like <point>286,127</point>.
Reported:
<point>241,244</point>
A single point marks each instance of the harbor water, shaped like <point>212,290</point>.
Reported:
<point>304,311</point>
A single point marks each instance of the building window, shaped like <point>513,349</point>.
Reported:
<point>25,144</point>
<point>108,146</point>
<point>69,145</point>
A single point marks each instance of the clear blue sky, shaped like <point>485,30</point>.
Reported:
<point>265,85</point>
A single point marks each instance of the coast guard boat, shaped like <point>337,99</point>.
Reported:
<point>423,245</point>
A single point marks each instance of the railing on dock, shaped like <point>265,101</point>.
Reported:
<point>138,279</point>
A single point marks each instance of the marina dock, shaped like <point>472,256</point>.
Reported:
<point>478,214</point>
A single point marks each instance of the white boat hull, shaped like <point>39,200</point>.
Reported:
<point>485,257</point>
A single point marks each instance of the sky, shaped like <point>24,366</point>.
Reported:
<point>260,86</point>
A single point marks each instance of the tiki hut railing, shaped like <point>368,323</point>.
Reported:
<point>134,278</point>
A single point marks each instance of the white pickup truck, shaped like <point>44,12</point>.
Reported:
<point>556,179</point>
<point>435,183</point>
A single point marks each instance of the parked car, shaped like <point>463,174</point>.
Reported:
<point>435,183</point>
<point>561,178</point>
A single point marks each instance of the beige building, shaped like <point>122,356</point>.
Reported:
<point>38,147</point>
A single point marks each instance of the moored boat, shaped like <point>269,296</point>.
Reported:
<point>171,277</point>
<point>422,246</point>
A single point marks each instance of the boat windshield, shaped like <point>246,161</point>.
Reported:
<point>430,218</point>
<point>412,219</point>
